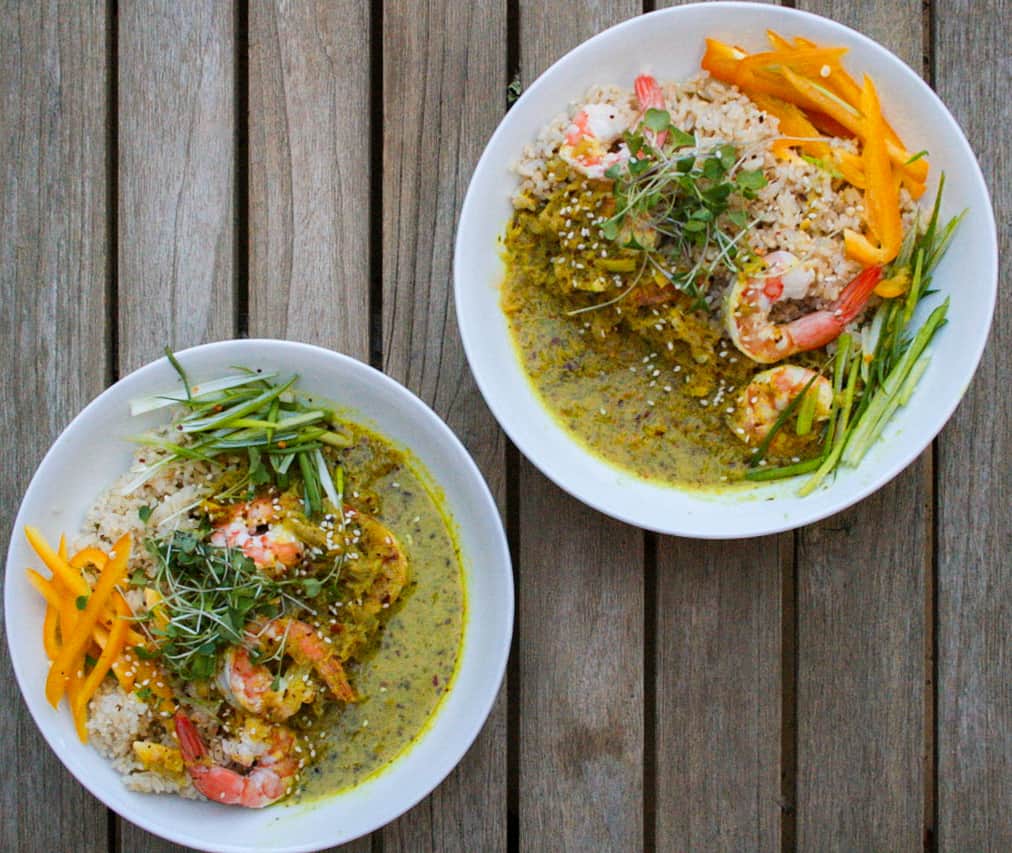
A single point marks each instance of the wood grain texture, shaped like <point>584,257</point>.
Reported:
<point>972,71</point>
<point>718,693</point>
<point>176,172</point>
<point>309,173</point>
<point>580,674</point>
<point>718,690</point>
<point>53,334</point>
<point>176,176</point>
<point>862,599</point>
<point>580,595</point>
<point>444,79</point>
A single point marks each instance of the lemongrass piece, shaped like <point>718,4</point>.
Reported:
<point>237,411</point>
<point>892,384</point>
<point>143,405</point>
<point>840,436</point>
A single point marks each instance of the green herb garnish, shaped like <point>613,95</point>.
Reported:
<point>689,196</point>
<point>144,513</point>
<point>210,594</point>
<point>250,413</point>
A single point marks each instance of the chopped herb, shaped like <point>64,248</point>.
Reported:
<point>250,413</point>
<point>144,513</point>
<point>687,195</point>
<point>81,602</point>
<point>210,594</point>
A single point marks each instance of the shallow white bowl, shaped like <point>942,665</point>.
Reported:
<point>93,450</point>
<point>669,44</point>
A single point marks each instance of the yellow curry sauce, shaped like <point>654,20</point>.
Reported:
<point>405,672</point>
<point>647,385</point>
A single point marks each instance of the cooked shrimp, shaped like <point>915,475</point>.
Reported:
<point>650,96</point>
<point>389,565</point>
<point>271,776</point>
<point>769,393</point>
<point>750,300</point>
<point>250,686</point>
<point>254,688</point>
<point>593,131</point>
<point>251,527</point>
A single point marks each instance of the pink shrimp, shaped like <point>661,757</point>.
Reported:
<point>305,646</point>
<point>251,528</point>
<point>750,300</point>
<point>271,777</point>
<point>595,129</point>
<point>650,96</point>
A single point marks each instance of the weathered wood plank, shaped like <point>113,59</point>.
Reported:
<point>53,334</point>
<point>718,693</point>
<point>975,479</point>
<point>444,78</point>
<point>718,690</point>
<point>309,173</point>
<point>580,596</point>
<point>176,179</point>
<point>861,699</point>
<point>176,176</point>
<point>309,178</point>
<point>581,674</point>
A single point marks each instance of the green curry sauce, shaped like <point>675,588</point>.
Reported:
<point>407,670</point>
<point>647,385</point>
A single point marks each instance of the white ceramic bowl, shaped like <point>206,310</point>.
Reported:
<point>669,44</point>
<point>93,450</point>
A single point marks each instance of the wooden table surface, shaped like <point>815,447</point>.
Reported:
<point>177,172</point>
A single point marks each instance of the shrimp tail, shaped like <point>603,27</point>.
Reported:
<point>854,296</point>
<point>820,327</point>
<point>650,97</point>
<point>190,744</point>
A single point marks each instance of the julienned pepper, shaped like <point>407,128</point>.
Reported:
<point>833,97</point>
<point>794,125</point>
<point>882,207</point>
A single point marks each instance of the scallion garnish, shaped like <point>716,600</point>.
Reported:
<point>250,413</point>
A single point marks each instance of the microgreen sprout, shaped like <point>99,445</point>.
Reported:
<point>690,196</point>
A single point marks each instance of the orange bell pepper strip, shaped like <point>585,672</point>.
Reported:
<point>721,60</point>
<point>110,652</point>
<point>71,654</point>
<point>816,96</point>
<point>882,207</point>
<point>808,61</point>
<point>793,124</point>
<point>50,624</point>
<point>89,557</point>
<point>60,568</point>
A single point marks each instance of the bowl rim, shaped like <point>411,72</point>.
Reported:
<point>548,466</point>
<point>464,735</point>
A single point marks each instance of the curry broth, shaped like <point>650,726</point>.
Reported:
<point>647,383</point>
<point>403,676</point>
